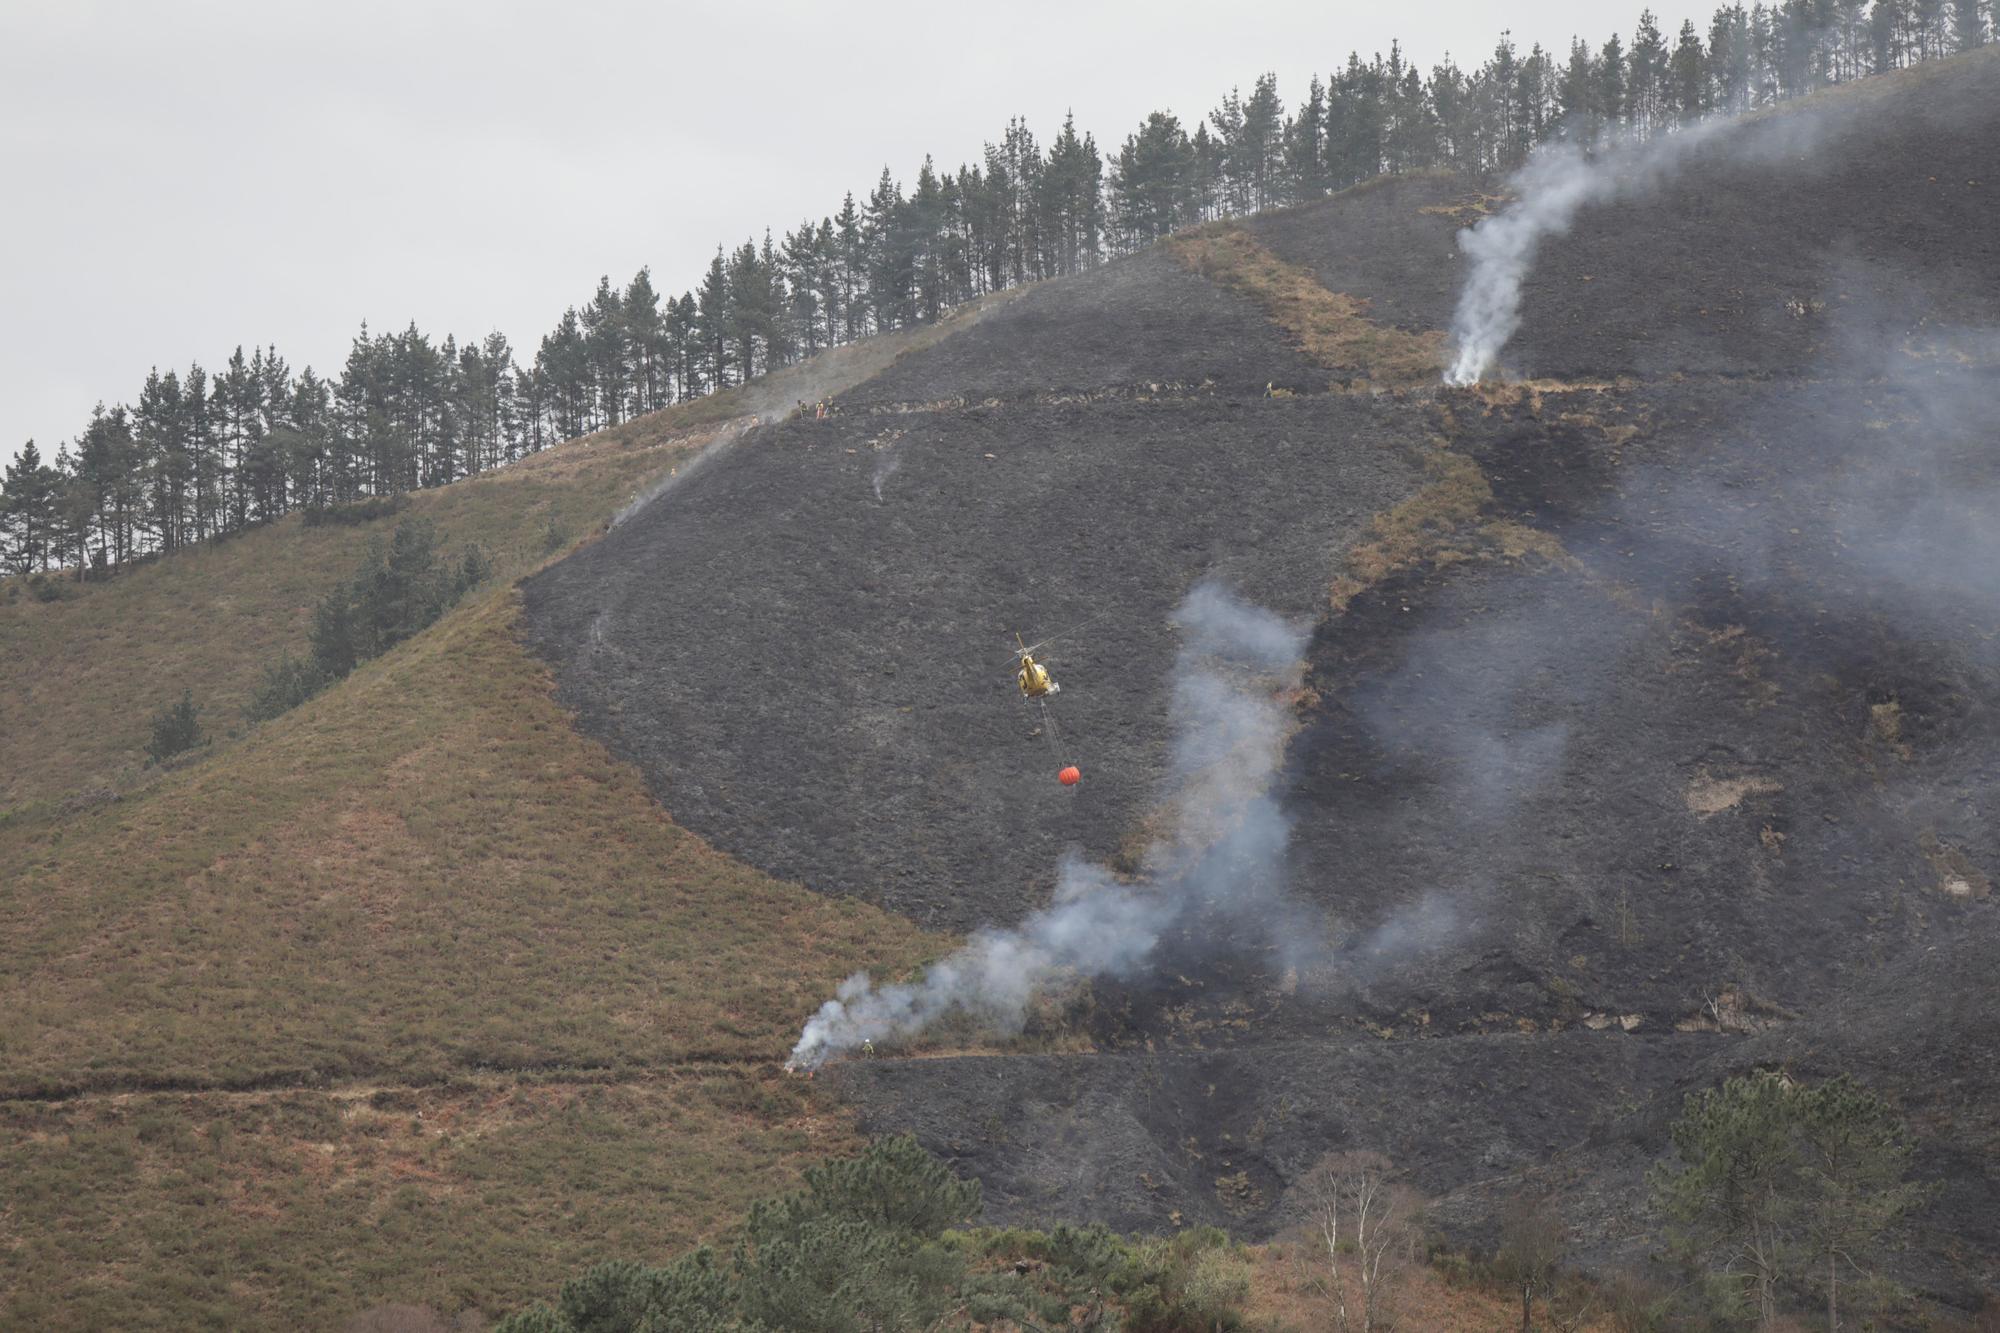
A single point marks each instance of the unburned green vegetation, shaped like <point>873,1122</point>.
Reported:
<point>872,1243</point>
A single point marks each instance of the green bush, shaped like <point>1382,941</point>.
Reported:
<point>867,1247</point>
<point>894,1186</point>
<point>287,683</point>
<point>1192,1282</point>
<point>45,589</point>
<point>473,569</point>
<point>396,593</point>
<point>176,729</point>
<point>1778,1189</point>
<point>354,512</point>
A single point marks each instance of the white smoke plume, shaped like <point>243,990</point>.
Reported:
<point>681,472</point>
<point>1223,852</point>
<point>887,463</point>
<point>1559,179</point>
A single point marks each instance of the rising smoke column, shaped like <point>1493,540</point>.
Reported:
<point>1558,180</point>
<point>1223,854</point>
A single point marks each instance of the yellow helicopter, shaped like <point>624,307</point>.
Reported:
<point>1032,678</point>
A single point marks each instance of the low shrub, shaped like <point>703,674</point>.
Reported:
<point>176,729</point>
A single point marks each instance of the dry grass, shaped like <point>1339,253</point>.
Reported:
<point>1708,795</point>
<point>1286,1297</point>
<point>1885,726</point>
<point>423,870</point>
<point>1440,525</point>
<point>300,1209</point>
<point>95,667</point>
<point>1332,328</point>
<point>422,879</point>
<point>1733,1009</point>
<point>1470,209</point>
<point>1957,876</point>
<point>1531,395</point>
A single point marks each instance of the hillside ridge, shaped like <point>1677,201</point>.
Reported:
<point>1640,716</point>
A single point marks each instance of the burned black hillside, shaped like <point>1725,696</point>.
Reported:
<point>1647,726</point>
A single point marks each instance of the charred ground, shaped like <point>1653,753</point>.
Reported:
<point>1645,729</point>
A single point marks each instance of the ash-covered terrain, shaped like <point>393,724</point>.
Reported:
<point>1643,726</point>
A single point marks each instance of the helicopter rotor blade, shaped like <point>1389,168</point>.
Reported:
<point>1062,634</point>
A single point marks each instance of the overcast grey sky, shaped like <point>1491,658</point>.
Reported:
<point>181,176</point>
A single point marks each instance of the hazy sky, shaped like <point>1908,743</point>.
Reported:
<point>181,176</point>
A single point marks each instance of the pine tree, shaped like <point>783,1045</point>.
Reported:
<point>1068,203</point>
<point>1534,99</point>
<point>608,350</point>
<point>1152,182</point>
<point>162,436</point>
<point>1500,79</point>
<point>684,336</point>
<point>27,512</point>
<point>1850,38</point>
<point>1413,138</point>
<point>833,294</point>
<point>1888,34</point>
<point>1305,145</point>
<point>885,244</point>
<point>746,315</point>
<point>801,262</point>
<point>72,515</point>
<point>1646,76</point>
<point>107,493</point>
<point>774,308</point>
<point>1729,56</point>
<point>923,222</point>
<point>1611,81</point>
<point>1451,104</point>
<point>1688,75</point>
<point>1355,123</point>
<point>852,269</point>
<point>205,469</point>
<point>1262,147</point>
<point>1015,170</point>
<point>954,242</point>
<point>1931,28</point>
<point>1777,1182</point>
<point>563,365</point>
<point>639,311</point>
<point>236,397</point>
<point>1576,94</point>
<point>264,480</point>
<point>1794,47</point>
<point>309,448</point>
<point>1968,23</point>
<point>712,325</point>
